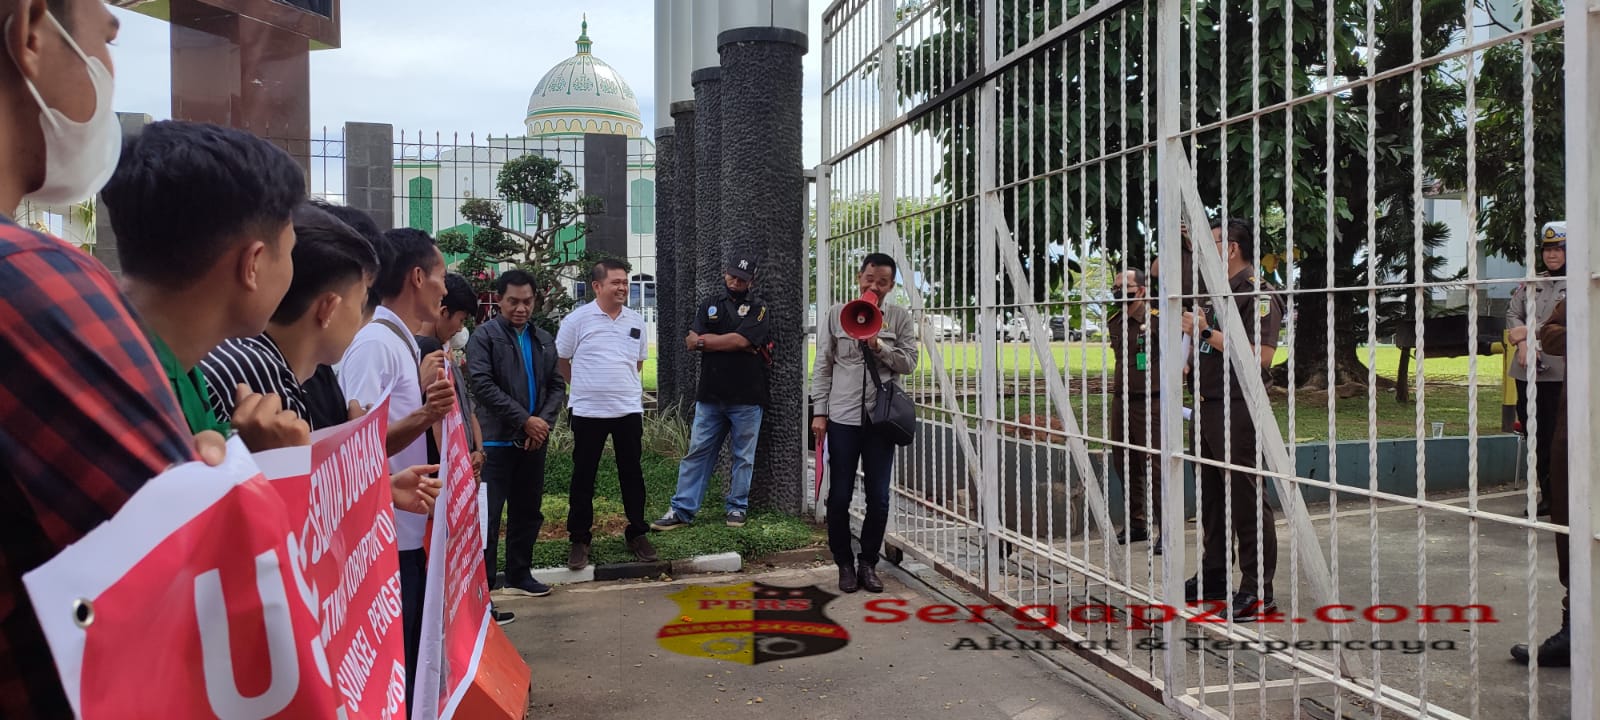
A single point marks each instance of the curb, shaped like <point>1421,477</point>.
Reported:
<point>719,562</point>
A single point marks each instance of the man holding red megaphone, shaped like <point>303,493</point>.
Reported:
<point>858,339</point>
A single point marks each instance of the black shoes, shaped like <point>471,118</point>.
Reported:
<point>1247,608</point>
<point>847,580</point>
<point>1136,534</point>
<point>868,575</point>
<point>527,587</point>
<point>1216,589</point>
<point>1555,651</point>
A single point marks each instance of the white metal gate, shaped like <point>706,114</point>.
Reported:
<point>1015,156</point>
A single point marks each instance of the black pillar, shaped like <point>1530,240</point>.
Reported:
<point>764,214</point>
<point>708,180</point>
<point>688,247</point>
<point>605,175</point>
<point>668,318</point>
<point>369,170</point>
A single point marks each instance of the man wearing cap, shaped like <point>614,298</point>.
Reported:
<point>730,333</point>
<point>1531,306</point>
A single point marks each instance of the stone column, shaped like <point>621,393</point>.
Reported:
<point>369,170</point>
<point>763,214</point>
<point>707,81</point>
<point>683,227</point>
<point>668,318</point>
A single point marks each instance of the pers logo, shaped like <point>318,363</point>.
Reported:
<point>752,623</point>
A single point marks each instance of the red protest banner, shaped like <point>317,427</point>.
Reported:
<point>346,549</point>
<point>187,604</point>
<point>466,606</point>
<point>271,598</point>
<point>463,610</point>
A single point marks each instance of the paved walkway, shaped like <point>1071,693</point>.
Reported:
<point>594,654</point>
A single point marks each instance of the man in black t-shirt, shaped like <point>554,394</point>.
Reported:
<point>730,332</point>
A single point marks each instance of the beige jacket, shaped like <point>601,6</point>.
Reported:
<point>1547,292</point>
<point>839,386</point>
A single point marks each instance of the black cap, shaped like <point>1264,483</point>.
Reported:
<point>742,267</point>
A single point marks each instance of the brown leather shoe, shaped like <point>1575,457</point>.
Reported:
<point>847,580</point>
<point>642,549</point>
<point>578,557</point>
<point>869,578</point>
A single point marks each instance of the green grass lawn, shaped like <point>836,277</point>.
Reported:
<point>963,360</point>
<point>763,533</point>
<point>1444,403</point>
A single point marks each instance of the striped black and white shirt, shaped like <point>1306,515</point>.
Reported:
<point>258,363</point>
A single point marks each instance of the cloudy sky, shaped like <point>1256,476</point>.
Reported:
<point>457,67</point>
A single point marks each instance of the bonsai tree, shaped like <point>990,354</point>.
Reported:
<point>542,245</point>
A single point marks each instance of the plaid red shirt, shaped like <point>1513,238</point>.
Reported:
<point>86,418</point>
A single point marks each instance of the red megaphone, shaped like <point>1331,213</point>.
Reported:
<point>861,318</point>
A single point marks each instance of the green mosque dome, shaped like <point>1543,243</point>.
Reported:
<point>583,94</point>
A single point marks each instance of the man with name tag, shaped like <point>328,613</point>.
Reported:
<point>1136,405</point>
<point>602,348</point>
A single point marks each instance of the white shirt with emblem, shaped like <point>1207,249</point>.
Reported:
<point>605,356</point>
<point>380,362</point>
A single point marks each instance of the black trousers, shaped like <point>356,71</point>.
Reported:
<point>850,447</point>
<point>516,484</point>
<point>1550,393</point>
<point>1239,448</point>
<point>1559,511</point>
<point>1138,469</point>
<point>589,443</point>
<point>413,589</point>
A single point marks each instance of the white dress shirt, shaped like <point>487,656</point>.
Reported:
<point>380,362</point>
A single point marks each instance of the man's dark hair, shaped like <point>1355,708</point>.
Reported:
<point>512,277</point>
<point>327,255</point>
<point>185,193</point>
<point>458,295</point>
<point>879,260</point>
<point>405,249</point>
<point>1240,232</point>
<point>362,223</point>
<point>603,268</point>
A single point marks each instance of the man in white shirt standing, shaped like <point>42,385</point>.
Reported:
<point>384,360</point>
<point>601,349</point>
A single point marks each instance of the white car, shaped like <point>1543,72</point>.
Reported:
<point>943,327</point>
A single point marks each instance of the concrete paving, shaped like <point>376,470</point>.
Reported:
<point>1385,557</point>
<point>594,654</point>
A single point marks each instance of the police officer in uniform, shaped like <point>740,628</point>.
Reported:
<point>730,332</point>
<point>1547,289</point>
<point>1230,436</point>
<point>1135,393</point>
<point>1556,650</point>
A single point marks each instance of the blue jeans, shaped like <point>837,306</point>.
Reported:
<point>713,422</point>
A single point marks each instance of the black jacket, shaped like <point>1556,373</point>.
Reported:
<point>494,370</point>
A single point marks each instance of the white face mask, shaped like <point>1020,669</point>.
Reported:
<point>79,157</point>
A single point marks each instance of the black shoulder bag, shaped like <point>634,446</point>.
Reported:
<point>893,416</point>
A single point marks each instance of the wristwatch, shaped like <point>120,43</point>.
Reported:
<point>1205,333</point>
<point>700,345</point>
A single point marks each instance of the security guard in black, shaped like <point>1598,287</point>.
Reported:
<point>734,378</point>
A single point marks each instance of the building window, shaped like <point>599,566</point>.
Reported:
<point>420,208</point>
<point>642,206</point>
